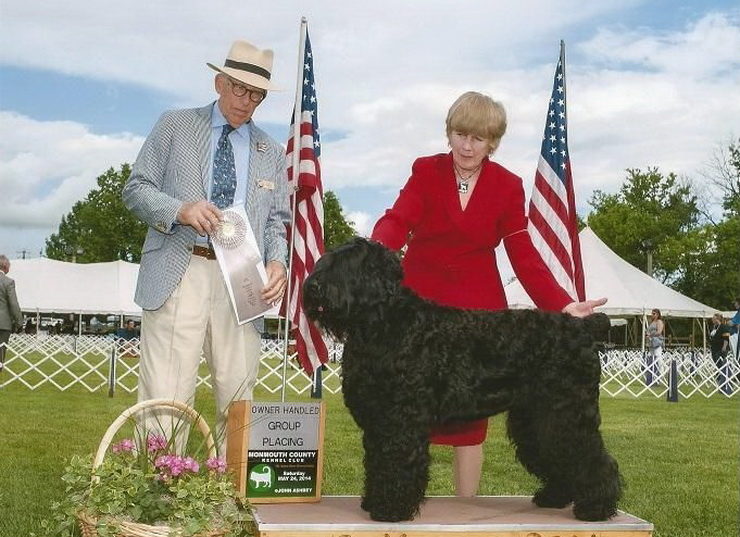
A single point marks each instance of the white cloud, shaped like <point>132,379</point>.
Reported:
<point>362,221</point>
<point>708,47</point>
<point>46,166</point>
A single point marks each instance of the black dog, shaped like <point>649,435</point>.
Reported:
<point>410,364</point>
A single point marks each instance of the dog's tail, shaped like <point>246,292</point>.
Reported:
<point>598,325</point>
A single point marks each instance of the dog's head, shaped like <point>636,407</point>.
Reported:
<point>350,284</point>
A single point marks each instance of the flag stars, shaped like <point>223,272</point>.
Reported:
<point>561,102</point>
<point>560,90</point>
<point>551,112</point>
<point>552,125</point>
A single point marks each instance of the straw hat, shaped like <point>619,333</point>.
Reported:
<point>248,64</point>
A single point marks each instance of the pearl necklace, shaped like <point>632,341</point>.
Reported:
<point>463,183</point>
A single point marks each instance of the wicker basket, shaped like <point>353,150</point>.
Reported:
<point>134,529</point>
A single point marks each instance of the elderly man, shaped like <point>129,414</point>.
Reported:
<point>195,163</point>
<point>10,312</point>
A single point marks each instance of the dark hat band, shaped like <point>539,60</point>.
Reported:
<point>249,67</point>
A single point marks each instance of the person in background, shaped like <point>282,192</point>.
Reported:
<point>656,341</point>
<point>195,163</point>
<point>719,342</point>
<point>11,318</point>
<point>453,211</point>
<point>128,331</point>
<point>735,326</point>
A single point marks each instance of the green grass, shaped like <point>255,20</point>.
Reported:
<point>680,461</point>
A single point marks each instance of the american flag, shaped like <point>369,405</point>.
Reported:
<point>552,208</point>
<point>308,242</point>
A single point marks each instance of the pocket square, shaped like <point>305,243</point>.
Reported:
<point>264,183</point>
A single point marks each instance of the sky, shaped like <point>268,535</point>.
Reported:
<point>649,83</point>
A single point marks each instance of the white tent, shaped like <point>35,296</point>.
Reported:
<point>45,286</point>
<point>629,290</point>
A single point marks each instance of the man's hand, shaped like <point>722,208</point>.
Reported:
<point>585,308</point>
<point>202,216</point>
<point>277,281</point>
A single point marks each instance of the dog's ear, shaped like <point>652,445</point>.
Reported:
<point>598,325</point>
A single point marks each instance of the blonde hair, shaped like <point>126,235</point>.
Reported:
<point>479,115</point>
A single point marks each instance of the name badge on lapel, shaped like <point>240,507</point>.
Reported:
<point>264,183</point>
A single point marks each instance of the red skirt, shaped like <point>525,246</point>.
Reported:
<point>469,433</point>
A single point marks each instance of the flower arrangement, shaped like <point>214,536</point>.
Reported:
<point>148,491</point>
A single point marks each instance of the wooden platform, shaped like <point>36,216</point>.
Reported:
<point>482,516</point>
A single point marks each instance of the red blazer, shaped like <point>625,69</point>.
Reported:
<point>450,257</point>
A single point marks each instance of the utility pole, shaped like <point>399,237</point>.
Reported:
<point>648,247</point>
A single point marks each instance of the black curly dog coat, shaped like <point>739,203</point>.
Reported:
<point>410,364</point>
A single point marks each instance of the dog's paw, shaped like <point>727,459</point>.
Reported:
<point>391,516</point>
<point>552,496</point>
<point>593,512</point>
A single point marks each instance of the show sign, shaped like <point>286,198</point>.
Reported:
<point>276,450</point>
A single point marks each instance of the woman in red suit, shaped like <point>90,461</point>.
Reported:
<point>452,213</point>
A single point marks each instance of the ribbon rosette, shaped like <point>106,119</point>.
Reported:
<point>231,232</point>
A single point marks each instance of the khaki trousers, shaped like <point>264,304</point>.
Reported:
<point>197,318</point>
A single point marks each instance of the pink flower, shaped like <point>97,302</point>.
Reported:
<point>124,446</point>
<point>216,464</point>
<point>190,464</point>
<point>156,442</point>
<point>174,465</point>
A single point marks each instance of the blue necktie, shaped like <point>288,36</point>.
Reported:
<point>224,171</point>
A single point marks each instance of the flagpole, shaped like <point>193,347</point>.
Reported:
<point>565,89</point>
<point>296,172</point>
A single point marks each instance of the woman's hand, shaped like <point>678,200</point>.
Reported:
<point>583,309</point>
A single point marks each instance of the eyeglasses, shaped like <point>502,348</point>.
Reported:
<point>239,90</point>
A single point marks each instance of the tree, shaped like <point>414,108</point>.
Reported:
<point>99,228</point>
<point>337,229</point>
<point>711,271</point>
<point>652,215</point>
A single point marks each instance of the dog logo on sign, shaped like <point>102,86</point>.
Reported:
<point>261,476</point>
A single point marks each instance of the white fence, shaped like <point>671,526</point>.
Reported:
<point>99,364</point>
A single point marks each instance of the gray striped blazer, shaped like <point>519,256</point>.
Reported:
<point>173,167</point>
<point>10,312</point>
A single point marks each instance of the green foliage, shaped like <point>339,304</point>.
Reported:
<point>337,229</point>
<point>651,212</point>
<point>99,228</point>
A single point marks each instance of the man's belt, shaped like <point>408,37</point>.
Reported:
<point>204,251</point>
